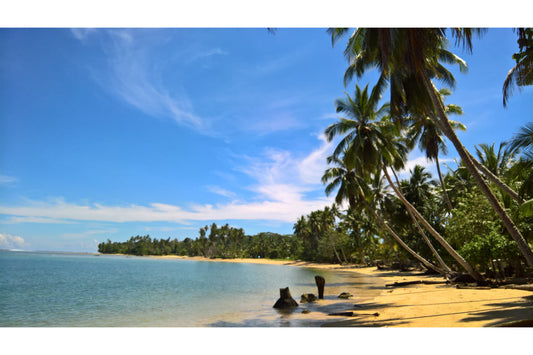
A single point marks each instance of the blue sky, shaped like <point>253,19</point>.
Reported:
<point>109,133</point>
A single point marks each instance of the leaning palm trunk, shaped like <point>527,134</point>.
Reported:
<point>444,193</point>
<point>336,254</point>
<point>426,239</point>
<point>489,175</point>
<point>447,129</point>
<point>433,232</point>
<point>401,242</point>
<point>421,231</point>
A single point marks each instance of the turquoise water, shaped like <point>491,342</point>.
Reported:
<point>68,290</point>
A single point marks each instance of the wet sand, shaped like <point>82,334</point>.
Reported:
<point>419,305</point>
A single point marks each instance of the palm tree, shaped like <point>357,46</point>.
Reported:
<point>523,141</point>
<point>522,73</point>
<point>497,162</point>
<point>409,58</point>
<point>419,190</point>
<point>370,146</point>
<point>359,186</point>
<point>430,138</point>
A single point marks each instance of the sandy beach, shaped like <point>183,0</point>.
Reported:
<point>418,305</point>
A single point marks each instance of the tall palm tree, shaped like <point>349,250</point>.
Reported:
<point>430,138</point>
<point>409,58</point>
<point>359,186</point>
<point>522,73</point>
<point>370,146</point>
<point>418,190</point>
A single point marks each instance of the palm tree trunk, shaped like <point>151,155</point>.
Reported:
<point>489,175</point>
<point>444,193</point>
<point>433,232</point>
<point>465,156</point>
<point>421,231</point>
<point>336,254</point>
<point>400,241</point>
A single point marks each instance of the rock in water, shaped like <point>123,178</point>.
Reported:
<point>307,297</point>
<point>285,299</point>
<point>345,295</point>
<point>320,283</point>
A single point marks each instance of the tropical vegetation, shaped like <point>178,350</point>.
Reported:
<point>476,217</point>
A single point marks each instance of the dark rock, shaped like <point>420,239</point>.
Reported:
<point>320,283</point>
<point>345,295</point>
<point>285,299</point>
<point>305,311</point>
<point>308,297</point>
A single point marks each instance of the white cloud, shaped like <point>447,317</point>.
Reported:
<point>32,219</point>
<point>288,209</point>
<point>8,241</point>
<point>282,183</point>
<point>313,166</point>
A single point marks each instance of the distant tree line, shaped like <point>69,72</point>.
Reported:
<point>213,242</point>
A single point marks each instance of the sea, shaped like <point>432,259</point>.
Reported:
<point>52,289</point>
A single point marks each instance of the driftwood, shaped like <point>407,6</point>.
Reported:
<point>423,282</point>
<point>351,314</point>
<point>345,314</point>
<point>467,287</point>
<point>528,287</point>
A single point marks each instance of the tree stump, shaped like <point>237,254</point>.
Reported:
<point>285,299</point>
<point>320,283</point>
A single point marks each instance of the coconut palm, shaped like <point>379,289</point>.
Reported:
<point>430,138</point>
<point>419,190</point>
<point>497,162</point>
<point>409,58</point>
<point>359,185</point>
<point>523,142</point>
<point>371,145</point>
<point>522,73</point>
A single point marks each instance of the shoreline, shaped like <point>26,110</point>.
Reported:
<point>418,305</point>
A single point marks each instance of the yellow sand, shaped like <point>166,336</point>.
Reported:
<point>412,306</point>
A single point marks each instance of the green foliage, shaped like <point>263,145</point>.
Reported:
<point>481,249</point>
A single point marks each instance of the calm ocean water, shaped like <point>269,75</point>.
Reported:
<point>68,290</point>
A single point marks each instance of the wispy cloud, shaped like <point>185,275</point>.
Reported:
<point>82,34</point>
<point>88,234</point>
<point>287,210</point>
<point>33,219</point>
<point>133,74</point>
<point>222,192</point>
<point>5,179</point>
<point>207,53</point>
<point>283,183</point>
